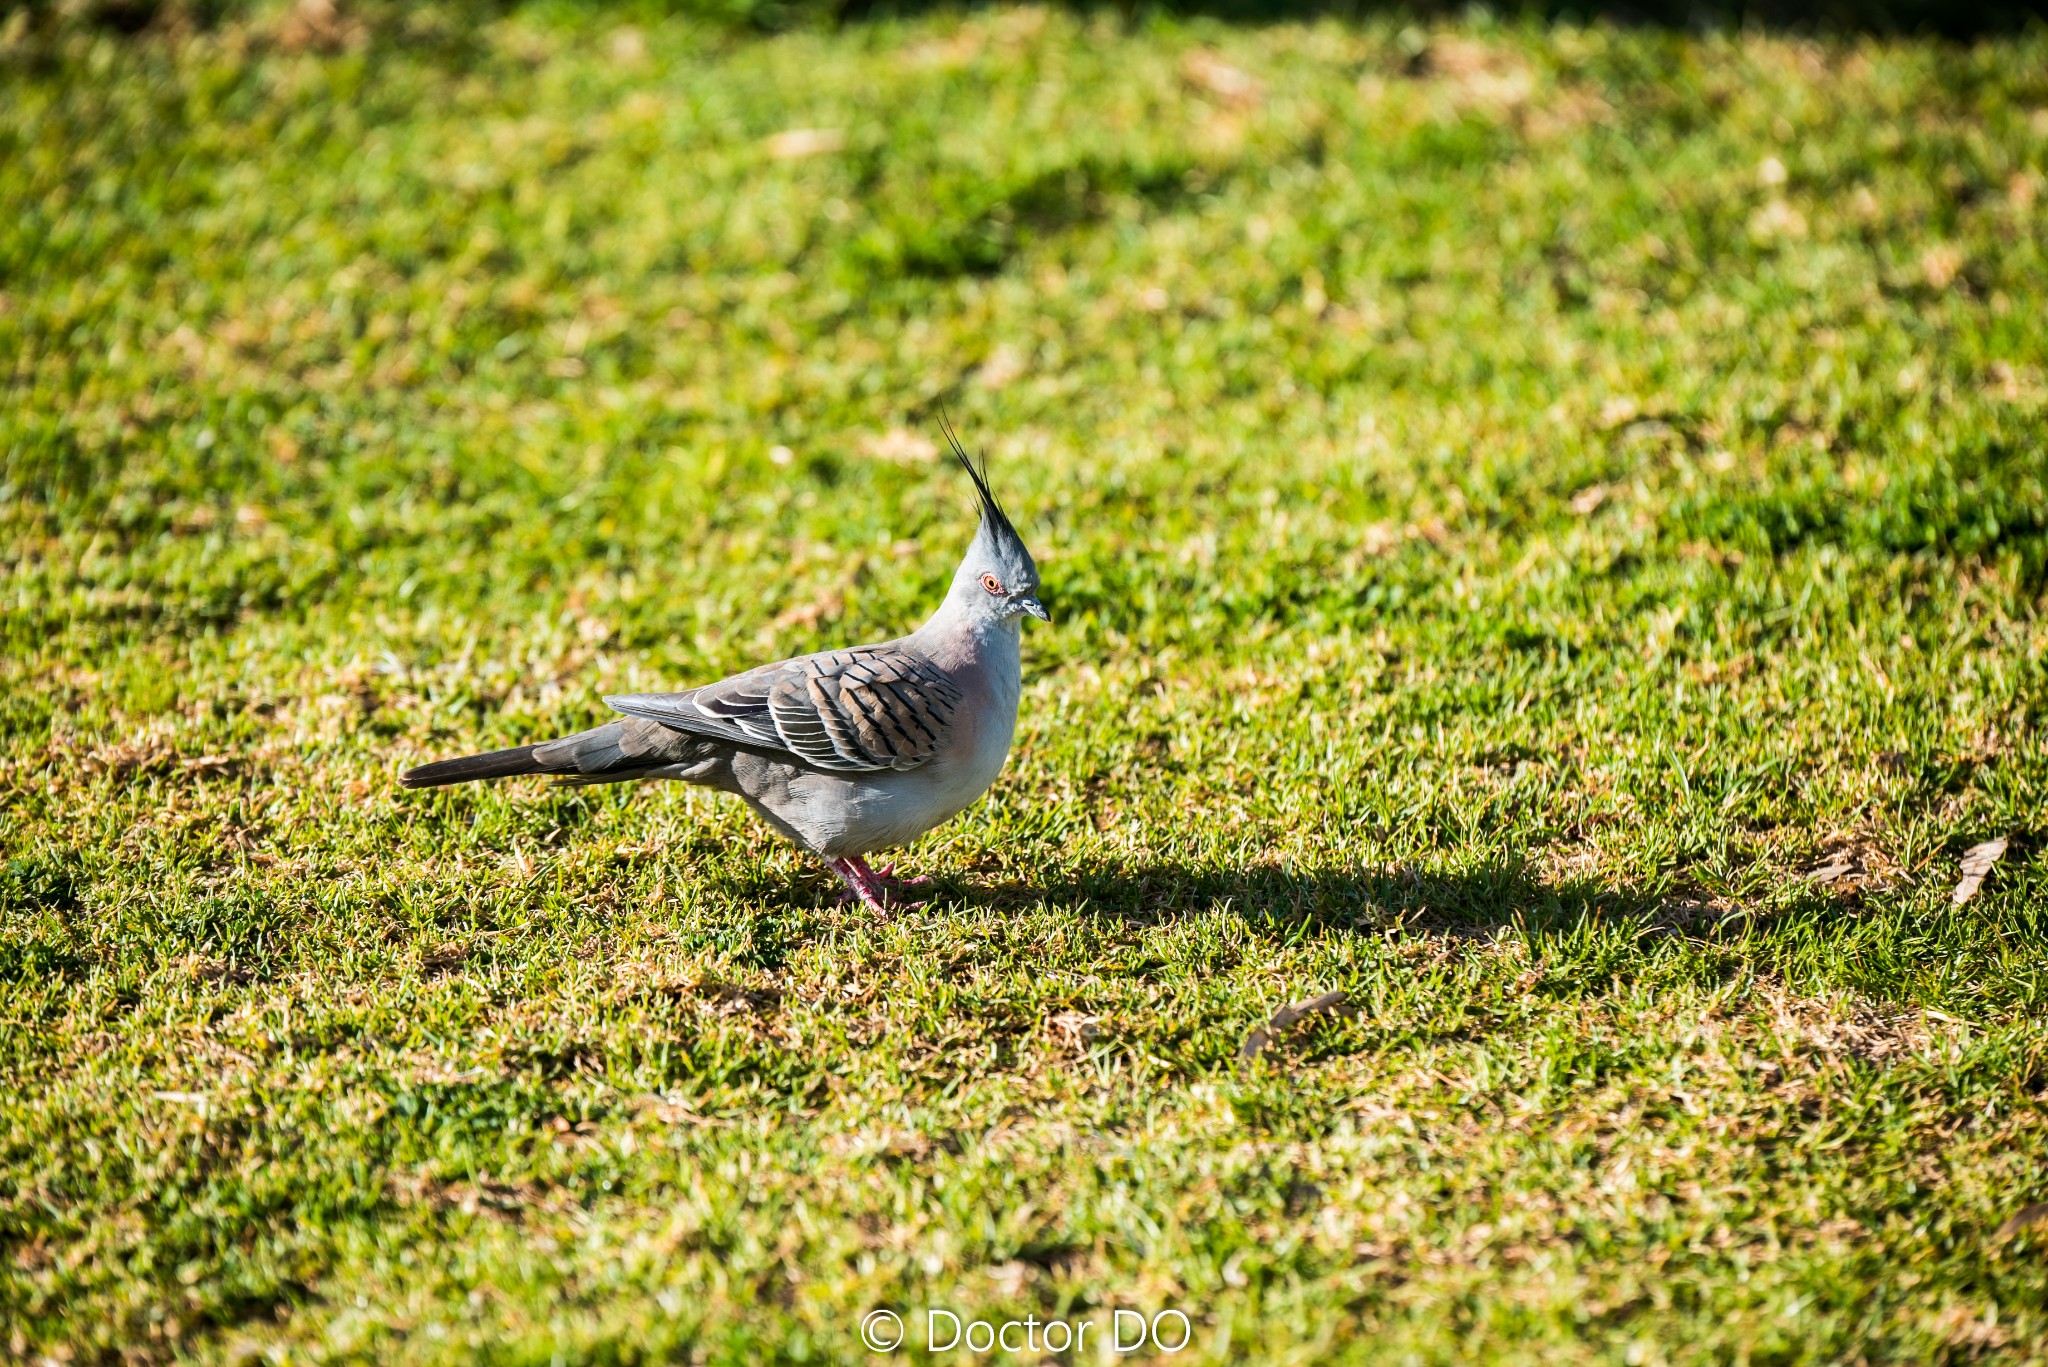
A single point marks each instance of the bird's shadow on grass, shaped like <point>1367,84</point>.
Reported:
<point>1572,916</point>
<point>1483,899</point>
<point>1497,893</point>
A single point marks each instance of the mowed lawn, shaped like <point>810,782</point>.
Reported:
<point>1546,533</point>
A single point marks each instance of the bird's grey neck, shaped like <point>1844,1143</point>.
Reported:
<point>953,636</point>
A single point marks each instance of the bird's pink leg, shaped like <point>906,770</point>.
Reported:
<point>860,882</point>
<point>887,888</point>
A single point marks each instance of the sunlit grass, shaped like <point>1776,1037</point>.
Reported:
<point>1515,504</point>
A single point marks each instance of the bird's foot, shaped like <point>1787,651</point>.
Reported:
<point>887,873</point>
<point>860,883</point>
<point>893,887</point>
<point>879,891</point>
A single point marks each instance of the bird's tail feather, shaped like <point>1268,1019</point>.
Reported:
<point>468,769</point>
<point>594,756</point>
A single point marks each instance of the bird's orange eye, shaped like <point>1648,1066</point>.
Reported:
<point>991,583</point>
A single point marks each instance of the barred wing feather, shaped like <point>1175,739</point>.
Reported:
<point>878,707</point>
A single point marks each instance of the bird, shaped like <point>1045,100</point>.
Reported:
<point>844,752</point>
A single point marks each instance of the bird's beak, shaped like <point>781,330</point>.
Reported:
<point>1035,608</point>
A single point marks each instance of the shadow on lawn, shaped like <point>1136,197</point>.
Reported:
<point>1497,893</point>
<point>1277,901</point>
<point>1959,19</point>
<point>1500,893</point>
<point>1955,19</point>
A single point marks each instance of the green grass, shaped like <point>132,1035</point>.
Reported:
<point>1514,502</point>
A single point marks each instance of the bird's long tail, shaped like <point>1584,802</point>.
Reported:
<point>496,764</point>
<point>604,754</point>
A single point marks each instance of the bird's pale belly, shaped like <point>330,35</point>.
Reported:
<point>847,814</point>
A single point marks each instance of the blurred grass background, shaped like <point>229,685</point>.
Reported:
<point>1960,19</point>
<point>1546,527</point>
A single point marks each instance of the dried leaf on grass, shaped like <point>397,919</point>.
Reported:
<point>320,26</point>
<point>1004,366</point>
<point>809,614</point>
<point>902,446</point>
<point>1480,74</point>
<point>1838,867</point>
<point>1332,1003</point>
<point>794,143</point>
<point>673,1108</point>
<point>733,999</point>
<point>1977,862</point>
<point>1215,77</point>
<point>484,1196</point>
<point>1076,1029</point>
<point>146,756</point>
<point>2025,1218</point>
<point>880,1141</point>
<point>127,757</point>
<point>1589,499</point>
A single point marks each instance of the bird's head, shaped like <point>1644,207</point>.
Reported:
<point>998,580</point>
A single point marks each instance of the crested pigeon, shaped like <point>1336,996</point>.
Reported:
<point>844,752</point>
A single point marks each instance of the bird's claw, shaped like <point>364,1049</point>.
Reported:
<point>879,888</point>
<point>887,874</point>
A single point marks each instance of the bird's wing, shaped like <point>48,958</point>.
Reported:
<point>854,711</point>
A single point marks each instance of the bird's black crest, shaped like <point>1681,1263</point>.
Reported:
<point>991,511</point>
